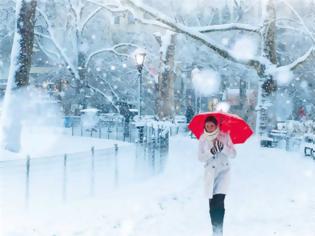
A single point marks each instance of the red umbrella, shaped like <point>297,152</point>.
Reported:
<point>238,129</point>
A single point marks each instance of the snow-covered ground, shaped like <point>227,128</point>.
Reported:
<point>272,193</point>
<point>55,142</point>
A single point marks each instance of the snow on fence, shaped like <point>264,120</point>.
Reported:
<point>303,143</point>
<point>61,178</point>
<point>133,132</point>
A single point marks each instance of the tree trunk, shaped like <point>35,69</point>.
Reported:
<point>243,93</point>
<point>266,84</point>
<point>269,33</point>
<point>25,28</point>
<point>81,85</point>
<point>20,65</point>
<point>165,102</point>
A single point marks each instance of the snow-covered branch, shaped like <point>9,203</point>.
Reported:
<point>84,23</point>
<point>7,35</point>
<point>70,66</point>
<point>291,28</point>
<point>74,12</point>
<point>151,22</point>
<point>191,32</point>
<point>112,50</point>
<point>108,98</point>
<point>300,19</point>
<point>202,29</point>
<point>300,60</point>
<point>118,9</point>
<point>227,27</point>
<point>110,7</point>
<point>48,53</point>
<point>42,35</point>
<point>110,87</point>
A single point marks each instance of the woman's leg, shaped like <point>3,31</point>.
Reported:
<point>217,211</point>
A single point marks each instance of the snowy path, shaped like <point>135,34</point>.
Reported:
<point>272,193</point>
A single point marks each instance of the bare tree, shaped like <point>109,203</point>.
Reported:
<point>265,65</point>
<point>165,98</point>
<point>78,61</point>
<point>21,60</point>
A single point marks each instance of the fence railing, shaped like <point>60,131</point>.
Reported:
<point>125,131</point>
<point>58,178</point>
<point>69,175</point>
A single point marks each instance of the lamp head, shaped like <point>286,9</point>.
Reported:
<point>140,58</point>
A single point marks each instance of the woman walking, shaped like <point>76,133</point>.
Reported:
<point>215,149</point>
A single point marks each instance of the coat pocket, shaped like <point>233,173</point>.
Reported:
<point>209,162</point>
<point>224,161</point>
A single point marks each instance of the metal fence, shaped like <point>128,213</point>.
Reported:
<point>125,131</point>
<point>36,181</point>
<point>290,143</point>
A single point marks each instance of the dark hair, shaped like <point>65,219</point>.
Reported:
<point>211,119</point>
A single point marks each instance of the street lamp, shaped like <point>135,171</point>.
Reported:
<point>140,56</point>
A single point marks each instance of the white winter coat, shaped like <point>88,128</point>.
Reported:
<point>217,168</point>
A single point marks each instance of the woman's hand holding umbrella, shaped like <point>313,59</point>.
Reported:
<point>217,147</point>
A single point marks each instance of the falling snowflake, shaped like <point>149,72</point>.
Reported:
<point>223,106</point>
<point>225,41</point>
<point>304,85</point>
<point>245,48</point>
<point>284,76</point>
<point>206,82</point>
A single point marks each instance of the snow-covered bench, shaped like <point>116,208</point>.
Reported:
<point>308,146</point>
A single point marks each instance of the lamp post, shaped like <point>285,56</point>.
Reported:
<point>140,56</point>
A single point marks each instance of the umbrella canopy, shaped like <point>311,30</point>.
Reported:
<point>238,129</point>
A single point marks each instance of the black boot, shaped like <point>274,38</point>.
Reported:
<point>217,218</point>
<point>217,211</point>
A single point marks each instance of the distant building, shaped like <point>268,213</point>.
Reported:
<point>124,23</point>
<point>233,96</point>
